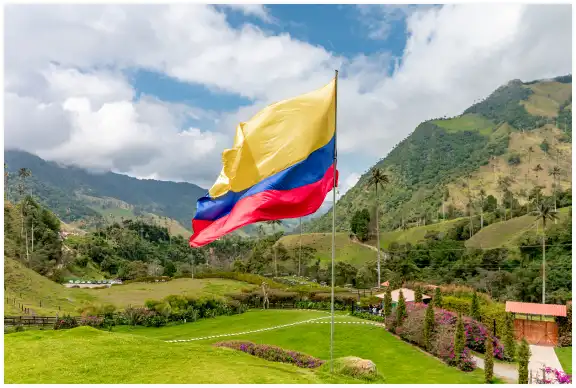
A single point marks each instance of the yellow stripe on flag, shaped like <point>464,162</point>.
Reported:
<point>276,138</point>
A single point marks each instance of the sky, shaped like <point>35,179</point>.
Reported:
<point>156,91</point>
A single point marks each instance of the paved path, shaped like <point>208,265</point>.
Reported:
<point>508,372</point>
<point>542,356</point>
<point>315,320</point>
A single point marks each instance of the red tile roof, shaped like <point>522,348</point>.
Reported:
<point>554,310</point>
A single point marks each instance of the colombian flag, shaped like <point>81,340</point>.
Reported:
<point>280,166</point>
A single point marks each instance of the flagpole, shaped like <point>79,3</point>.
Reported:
<point>333,225</point>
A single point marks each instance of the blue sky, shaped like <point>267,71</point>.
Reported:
<point>313,24</point>
<point>156,91</point>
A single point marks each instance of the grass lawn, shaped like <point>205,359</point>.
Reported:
<point>89,356</point>
<point>30,288</point>
<point>565,358</point>
<point>138,293</point>
<point>86,355</point>
<point>251,320</point>
<point>396,360</point>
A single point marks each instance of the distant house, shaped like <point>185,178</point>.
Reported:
<point>408,296</point>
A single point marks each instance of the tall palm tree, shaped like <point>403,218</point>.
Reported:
<point>544,213</point>
<point>23,174</point>
<point>378,178</point>
<point>555,173</point>
<point>503,183</point>
<point>273,223</point>
<point>482,195</point>
<point>530,151</point>
<point>537,169</point>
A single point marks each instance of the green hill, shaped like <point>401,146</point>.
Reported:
<point>506,233</point>
<point>490,140</point>
<point>70,192</point>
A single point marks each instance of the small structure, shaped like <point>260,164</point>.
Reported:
<point>385,284</point>
<point>408,296</point>
<point>536,321</point>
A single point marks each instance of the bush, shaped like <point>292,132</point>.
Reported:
<point>459,305</point>
<point>523,359</point>
<point>92,321</point>
<point>273,353</point>
<point>368,316</point>
<point>459,338</point>
<point>65,322</point>
<point>488,361</point>
<point>509,342</point>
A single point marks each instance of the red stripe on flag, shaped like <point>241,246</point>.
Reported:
<point>265,206</point>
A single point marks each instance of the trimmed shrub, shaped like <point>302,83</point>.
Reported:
<point>523,358</point>
<point>509,342</point>
<point>388,301</point>
<point>488,361</point>
<point>92,321</point>
<point>428,327</point>
<point>459,338</point>
<point>475,307</point>
<point>273,353</point>
<point>437,299</point>
<point>418,295</point>
<point>400,309</point>
<point>458,305</point>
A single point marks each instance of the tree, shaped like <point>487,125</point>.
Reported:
<point>537,170</point>
<point>418,295</point>
<point>544,213</point>
<point>169,268</point>
<point>475,307</point>
<point>509,342</point>
<point>274,223</point>
<point>555,173</point>
<point>388,301</point>
<point>545,146</point>
<point>488,360</point>
<point>378,178</point>
<point>437,300</point>
<point>459,338</point>
<point>359,224</point>
<point>400,309</point>
<point>530,151</point>
<point>523,359</point>
<point>428,326</point>
<point>482,196</point>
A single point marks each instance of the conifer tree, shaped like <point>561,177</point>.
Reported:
<point>428,326</point>
<point>523,358</point>
<point>509,342</point>
<point>400,309</point>
<point>418,295</point>
<point>475,307</point>
<point>489,361</point>
<point>459,338</point>
<point>437,297</point>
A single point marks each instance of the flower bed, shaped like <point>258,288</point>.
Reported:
<point>273,353</point>
<point>442,340</point>
<point>554,376</point>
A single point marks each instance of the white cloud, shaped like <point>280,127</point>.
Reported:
<point>67,99</point>
<point>257,10</point>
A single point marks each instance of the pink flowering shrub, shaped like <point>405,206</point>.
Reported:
<point>92,321</point>
<point>65,322</point>
<point>476,334</point>
<point>554,376</point>
<point>273,353</point>
<point>412,330</point>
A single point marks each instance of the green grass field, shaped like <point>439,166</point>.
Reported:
<point>506,233</point>
<point>31,289</point>
<point>565,358</point>
<point>413,235</point>
<point>467,122</point>
<point>138,293</point>
<point>86,355</point>
<point>346,250</point>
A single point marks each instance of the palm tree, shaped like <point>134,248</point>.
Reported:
<point>555,173</point>
<point>530,151</point>
<point>544,213</point>
<point>482,195</point>
<point>23,173</point>
<point>503,183</point>
<point>537,169</point>
<point>274,223</point>
<point>378,178</point>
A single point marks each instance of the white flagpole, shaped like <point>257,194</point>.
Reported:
<point>333,226</point>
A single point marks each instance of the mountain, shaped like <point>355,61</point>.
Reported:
<point>442,165</point>
<point>74,193</point>
<point>77,195</point>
